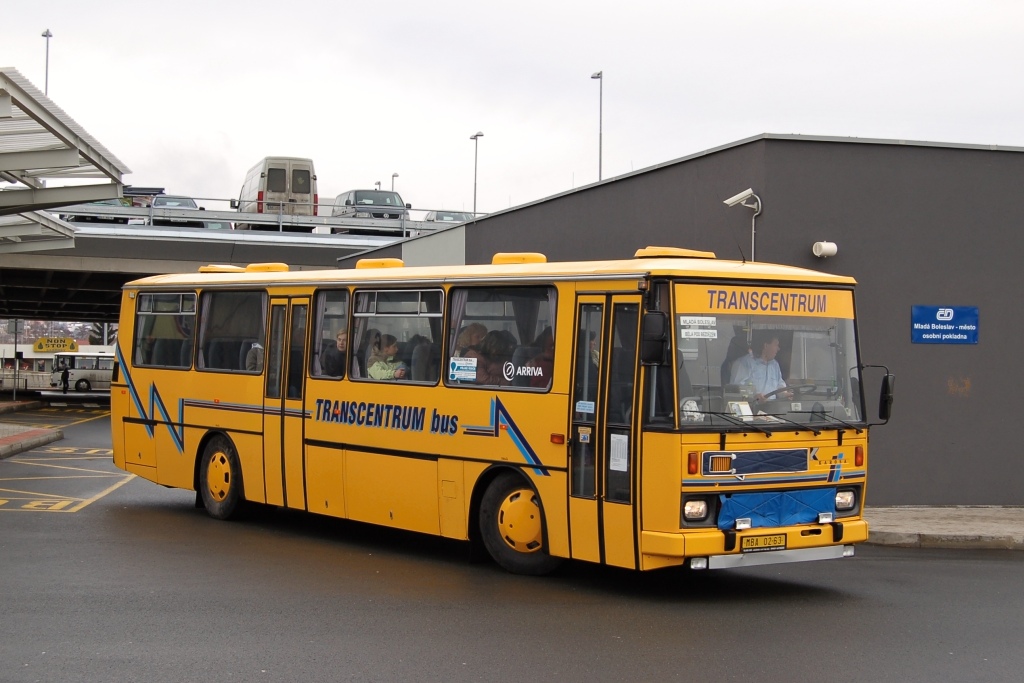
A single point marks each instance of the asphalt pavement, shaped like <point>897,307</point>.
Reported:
<point>913,526</point>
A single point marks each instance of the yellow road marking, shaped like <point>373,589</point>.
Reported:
<point>59,467</point>
<point>54,503</point>
<point>84,476</point>
<point>34,495</point>
<point>95,417</point>
<point>103,493</point>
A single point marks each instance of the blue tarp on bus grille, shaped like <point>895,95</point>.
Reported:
<point>776,509</point>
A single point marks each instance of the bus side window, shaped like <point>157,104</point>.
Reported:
<point>397,335</point>
<point>228,319</point>
<point>329,351</point>
<point>502,337</point>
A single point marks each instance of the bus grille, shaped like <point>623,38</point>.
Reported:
<point>775,461</point>
<point>720,464</point>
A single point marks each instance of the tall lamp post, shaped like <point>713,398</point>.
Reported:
<point>476,146</point>
<point>46,87</point>
<point>599,75</point>
<point>393,176</point>
<point>377,183</point>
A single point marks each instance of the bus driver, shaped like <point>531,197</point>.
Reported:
<point>762,370</point>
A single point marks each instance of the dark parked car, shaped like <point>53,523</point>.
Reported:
<point>369,204</point>
<point>78,218</point>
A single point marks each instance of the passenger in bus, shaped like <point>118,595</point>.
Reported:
<point>333,362</point>
<point>543,361</point>
<point>368,344</point>
<point>470,337</point>
<point>254,359</point>
<point>383,364</point>
<point>493,352</point>
<point>763,371</point>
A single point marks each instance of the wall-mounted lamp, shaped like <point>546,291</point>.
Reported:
<point>824,249</point>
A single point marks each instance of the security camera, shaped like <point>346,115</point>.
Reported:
<point>739,198</point>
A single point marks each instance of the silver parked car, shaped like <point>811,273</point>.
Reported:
<point>164,201</point>
<point>448,217</point>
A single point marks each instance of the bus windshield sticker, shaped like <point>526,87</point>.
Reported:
<point>698,321</point>
<point>584,406</point>
<point>462,369</point>
<point>698,334</point>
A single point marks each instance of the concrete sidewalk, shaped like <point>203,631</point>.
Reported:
<point>961,526</point>
<point>956,526</point>
<point>15,438</point>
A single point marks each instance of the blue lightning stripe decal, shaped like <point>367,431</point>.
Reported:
<point>156,403</point>
<point>500,417</point>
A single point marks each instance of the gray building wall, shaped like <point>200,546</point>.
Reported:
<point>915,223</point>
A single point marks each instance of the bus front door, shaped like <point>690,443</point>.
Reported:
<point>602,503</point>
<point>283,422</point>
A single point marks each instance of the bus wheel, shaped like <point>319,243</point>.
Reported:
<point>512,527</point>
<point>82,385</point>
<point>220,478</point>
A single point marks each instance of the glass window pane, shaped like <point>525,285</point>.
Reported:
<point>276,180</point>
<point>502,337</point>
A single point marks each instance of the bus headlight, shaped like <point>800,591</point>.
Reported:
<point>845,500</point>
<point>695,510</point>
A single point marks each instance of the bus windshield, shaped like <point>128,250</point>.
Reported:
<point>766,369</point>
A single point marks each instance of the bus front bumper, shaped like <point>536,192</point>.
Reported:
<point>708,549</point>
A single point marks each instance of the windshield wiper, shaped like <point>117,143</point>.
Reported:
<point>816,432</point>
<point>735,420</point>
<point>833,418</point>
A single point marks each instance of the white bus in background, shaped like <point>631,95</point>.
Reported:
<point>87,371</point>
<point>278,185</point>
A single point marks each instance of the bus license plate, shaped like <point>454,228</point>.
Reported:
<point>756,544</point>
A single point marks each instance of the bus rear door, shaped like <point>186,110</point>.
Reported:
<point>283,424</point>
<point>602,503</point>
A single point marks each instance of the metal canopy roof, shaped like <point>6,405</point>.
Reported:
<point>39,142</point>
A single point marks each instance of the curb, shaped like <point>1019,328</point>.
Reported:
<point>26,441</point>
<point>12,407</point>
<point>945,541</point>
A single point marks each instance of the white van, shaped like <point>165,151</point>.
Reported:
<point>285,185</point>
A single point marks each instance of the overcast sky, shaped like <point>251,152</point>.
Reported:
<point>191,94</point>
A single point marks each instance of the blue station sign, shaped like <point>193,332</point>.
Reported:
<point>944,324</point>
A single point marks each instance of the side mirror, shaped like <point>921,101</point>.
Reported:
<point>234,203</point>
<point>885,397</point>
<point>408,206</point>
<point>348,202</point>
<point>654,338</point>
<point>202,208</point>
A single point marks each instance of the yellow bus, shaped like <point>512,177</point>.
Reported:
<point>606,411</point>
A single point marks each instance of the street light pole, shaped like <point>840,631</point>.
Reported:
<point>393,176</point>
<point>476,146</point>
<point>599,75</point>
<point>377,183</point>
<point>46,88</point>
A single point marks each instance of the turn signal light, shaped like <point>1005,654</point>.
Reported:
<point>558,439</point>
<point>692,462</point>
<point>858,456</point>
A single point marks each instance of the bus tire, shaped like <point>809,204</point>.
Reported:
<point>220,478</point>
<point>512,526</point>
<point>82,385</point>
